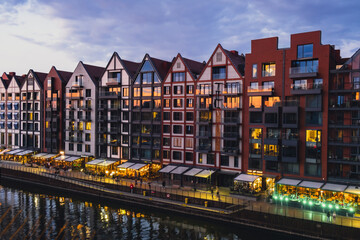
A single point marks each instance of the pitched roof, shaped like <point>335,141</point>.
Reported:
<point>237,60</point>
<point>194,66</point>
<point>131,67</point>
<point>41,76</point>
<point>95,72</point>
<point>64,75</point>
<point>20,79</point>
<point>161,66</point>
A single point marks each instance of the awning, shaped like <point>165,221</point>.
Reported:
<point>126,165</point>
<point>71,159</point>
<point>289,182</point>
<point>353,190</point>
<point>40,155</point>
<point>12,152</point>
<point>205,173</point>
<point>179,170</point>
<point>95,162</point>
<point>309,184</point>
<point>246,178</point>
<point>49,155</point>
<point>4,151</point>
<point>334,187</point>
<point>137,166</point>
<point>193,171</point>
<point>62,157</point>
<point>168,169</point>
<point>24,152</point>
<point>106,163</point>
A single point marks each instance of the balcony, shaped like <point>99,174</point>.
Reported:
<point>75,95</point>
<point>102,129</point>
<point>69,117</point>
<point>85,107</point>
<point>230,151</point>
<point>306,89</point>
<point>344,141</point>
<point>85,118</point>
<point>231,135</point>
<point>289,153</point>
<point>346,105</point>
<point>347,87</point>
<point>303,72</point>
<point>114,107</point>
<point>74,139</point>
<point>74,129</point>
<point>231,120</point>
<point>255,153</point>
<point>204,148</point>
<point>109,95</point>
<point>102,141</point>
<point>204,107</point>
<point>203,134</point>
<point>114,119</point>
<point>260,91</point>
<point>102,106</point>
<point>355,123</point>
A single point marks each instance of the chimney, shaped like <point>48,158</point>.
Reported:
<point>234,52</point>
<point>12,73</point>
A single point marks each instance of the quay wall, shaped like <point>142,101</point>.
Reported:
<point>242,216</point>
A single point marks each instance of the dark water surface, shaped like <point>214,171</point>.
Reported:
<point>43,214</point>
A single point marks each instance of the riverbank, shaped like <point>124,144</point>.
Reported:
<point>166,200</point>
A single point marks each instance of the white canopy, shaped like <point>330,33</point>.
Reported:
<point>193,171</point>
<point>353,190</point>
<point>4,151</point>
<point>290,182</point>
<point>95,162</point>
<point>71,159</point>
<point>126,165</point>
<point>106,163</point>
<point>12,152</point>
<point>62,157</point>
<point>334,187</point>
<point>168,169</point>
<point>179,170</point>
<point>309,184</point>
<point>24,152</point>
<point>246,178</point>
<point>137,166</point>
<point>40,155</point>
<point>205,173</point>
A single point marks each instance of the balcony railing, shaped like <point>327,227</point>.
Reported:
<point>109,94</point>
<point>345,140</point>
<point>305,71</point>
<point>260,91</point>
<point>75,95</point>
<point>344,105</point>
<point>231,120</point>
<point>231,135</point>
<point>306,88</point>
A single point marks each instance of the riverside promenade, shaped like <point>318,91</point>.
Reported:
<point>223,207</point>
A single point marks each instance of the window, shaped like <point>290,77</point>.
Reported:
<point>87,137</point>
<point>189,129</point>
<point>166,142</point>
<point>231,102</point>
<point>167,103</point>
<point>157,91</point>
<point>178,102</point>
<point>189,116</point>
<point>79,147</point>
<point>304,66</point>
<point>178,77</point>
<point>190,89</point>
<point>71,147</point>
<point>178,116</point>
<point>254,70</point>
<point>204,89</point>
<point>88,126</point>
<point>136,92</point>
<point>305,51</point>
<point>210,158</point>
<point>146,92</point>
<point>167,116</point>
<point>146,78</point>
<point>177,129</point>
<point>232,88</point>
<point>256,117</point>
<point>218,73</point>
<point>255,102</point>
<point>271,118</point>
<point>189,156</point>
<point>313,118</point>
<point>125,92</point>
<point>268,69</point>
<point>78,80</point>
<point>289,118</point>
<point>268,85</point>
<point>190,102</point>
<point>166,154</point>
<point>87,148</point>
<point>200,158</point>
<point>178,90</point>
<point>224,160</point>
<point>313,101</point>
<point>177,142</point>
<point>236,162</point>
<point>177,155</point>
<point>218,57</point>
<point>125,103</point>
<point>166,128</point>
<point>125,116</point>
<point>114,77</point>
<point>167,90</point>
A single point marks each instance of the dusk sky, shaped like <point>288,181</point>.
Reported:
<point>38,34</point>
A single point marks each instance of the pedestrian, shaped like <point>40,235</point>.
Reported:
<point>334,216</point>
<point>135,182</point>
<point>212,192</point>
<point>328,216</point>
<point>131,188</point>
<point>163,184</point>
<point>141,182</point>
<point>218,194</point>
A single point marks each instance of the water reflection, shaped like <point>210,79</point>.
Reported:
<point>39,215</point>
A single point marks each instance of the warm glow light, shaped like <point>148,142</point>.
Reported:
<point>62,152</point>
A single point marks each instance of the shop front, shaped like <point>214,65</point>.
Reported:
<point>177,175</point>
<point>66,162</point>
<point>2,153</point>
<point>247,184</point>
<point>107,167</point>
<point>91,167</point>
<point>165,174</point>
<point>199,178</point>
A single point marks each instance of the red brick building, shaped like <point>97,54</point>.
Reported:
<point>286,107</point>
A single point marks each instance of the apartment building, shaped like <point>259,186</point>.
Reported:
<point>146,110</point>
<point>81,110</point>
<point>4,82</point>
<point>31,113</point>
<point>344,121</point>
<point>179,115</point>
<point>219,114</point>
<point>286,107</point>
<point>114,108</point>
<point>54,111</point>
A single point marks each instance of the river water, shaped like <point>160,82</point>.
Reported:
<point>28,212</point>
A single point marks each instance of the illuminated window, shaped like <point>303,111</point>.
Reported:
<point>125,92</point>
<point>271,150</point>
<point>190,89</point>
<point>146,92</point>
<point>136,92</point>
<point>254,70</point>
<point>200,158</point>
<point>167,103</point>
<point>255,102</point>
<point>189,102</point>
<point>313,136</point>
<point>88,126</point>
<point>47,124</point>
<point>81,125</point>
<point>272,101</point>
<point>157,92</point>
<point>255,133</point>
<point>268,69</point>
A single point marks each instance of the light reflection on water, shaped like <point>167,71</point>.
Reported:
<point>47,213</point>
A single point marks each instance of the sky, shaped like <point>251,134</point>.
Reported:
<point>39,34</point>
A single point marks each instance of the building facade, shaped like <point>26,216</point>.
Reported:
<point>114,109</point>
<point>219,114</point>
<point>54,111</point>
<point>81,107</point>
<point>179,114</point>
<point>146,110</point>
<point>286,106</point>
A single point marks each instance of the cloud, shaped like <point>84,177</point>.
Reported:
<point>40,33</point>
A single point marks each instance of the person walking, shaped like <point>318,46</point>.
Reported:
<point>163,184</point>
<point>131,188</point>
<point>334,216</point>
<point>328,216</point>
<point>218,194</point>
<point>212,192</point>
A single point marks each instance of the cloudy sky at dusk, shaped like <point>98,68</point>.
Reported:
<point>40,33</point>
